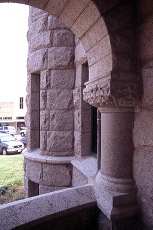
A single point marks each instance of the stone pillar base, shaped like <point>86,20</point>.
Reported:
<point>116,198</point>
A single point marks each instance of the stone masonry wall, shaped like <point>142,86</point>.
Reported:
<point>50,115</point>
<point>51,54</point>
<point>82,110</point>
<point>143,127</point>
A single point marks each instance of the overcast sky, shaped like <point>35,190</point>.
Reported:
<point>13,50</point>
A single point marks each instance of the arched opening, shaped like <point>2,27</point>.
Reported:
<point>47,64</point>
<point>103,90</point>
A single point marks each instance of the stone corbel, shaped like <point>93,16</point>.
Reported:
<point>107,92</point>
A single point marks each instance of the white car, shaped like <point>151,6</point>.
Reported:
<point>8,129</point>
<point>8,144</point>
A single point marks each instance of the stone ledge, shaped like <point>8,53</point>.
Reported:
<point>35,155</point>
<point>87,166</point>
<point>22,212</point>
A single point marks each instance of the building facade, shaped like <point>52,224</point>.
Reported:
<point>105,65</point>
<point>13,113</point>
<point>7,113</point>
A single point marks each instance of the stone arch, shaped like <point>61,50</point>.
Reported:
<point>108,37</point>
<point>107,33</point>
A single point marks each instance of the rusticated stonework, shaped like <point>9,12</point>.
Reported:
<point>105,92</point>
<point>50,116</point>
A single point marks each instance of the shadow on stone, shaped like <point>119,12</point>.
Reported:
<point>81,218</point>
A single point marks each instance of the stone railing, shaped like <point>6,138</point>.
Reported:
<point>37,211</point>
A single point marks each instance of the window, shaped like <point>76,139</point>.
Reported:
<point>21,103</point>
<point>19,118</point>
<point>92,135</point>
<point>6,118</point>
<point>35,111</point>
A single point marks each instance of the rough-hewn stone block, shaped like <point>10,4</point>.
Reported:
<point>41,40</point>
<point>44,120</point>
<point>45,79</point>
<point>38,25</point>
<point>43,99</point>
<point>54,23</point>
<point>35,14</point>
<point>59,99</point>
<point>60,57</point>
<point>57,175</point>
<point>60,143</point>
<point>62,79</point>
<point>33,171</point>
<point>63,38</point>
<point>61,120</point>
<point>37,61</point>
<point>32,119</point>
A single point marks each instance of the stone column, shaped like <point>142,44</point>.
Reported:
<point>116,144</point>
<point>115,188</point>
<point>114,185</point>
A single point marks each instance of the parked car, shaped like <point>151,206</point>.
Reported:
<point>23,139</point>
<point>8,129</point>
<point>8,144</point>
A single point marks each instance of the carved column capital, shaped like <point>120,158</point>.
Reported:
<point>112,93</point>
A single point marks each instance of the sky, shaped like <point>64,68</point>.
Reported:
<point>13,50</point>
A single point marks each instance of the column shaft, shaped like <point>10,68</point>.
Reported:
<point>115,188</point>
<point>116,144</point>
